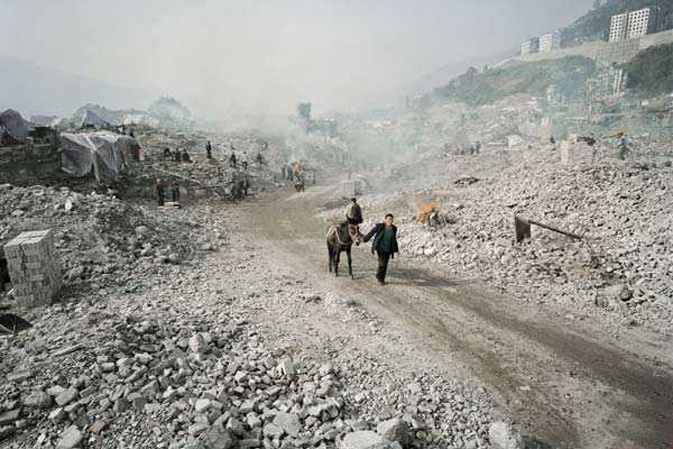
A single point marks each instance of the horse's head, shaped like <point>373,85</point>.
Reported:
<point>355,234</point>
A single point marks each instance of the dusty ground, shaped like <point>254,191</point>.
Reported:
<point>429,344</point>
<point>565,382</point>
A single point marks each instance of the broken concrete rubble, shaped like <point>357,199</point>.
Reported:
<point>619,206</point>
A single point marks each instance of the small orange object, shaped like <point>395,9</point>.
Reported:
<point>425,210</point>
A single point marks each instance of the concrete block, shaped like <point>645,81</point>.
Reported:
<point>33,267</point>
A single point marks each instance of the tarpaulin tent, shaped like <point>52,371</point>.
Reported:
<point>104,152</point>
<point>13,128</point>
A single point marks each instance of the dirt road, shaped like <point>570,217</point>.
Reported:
<point>565,383</point>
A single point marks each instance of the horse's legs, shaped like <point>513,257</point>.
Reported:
<point>350,262</point>
<point>329,256</point>
<point>336,261</point>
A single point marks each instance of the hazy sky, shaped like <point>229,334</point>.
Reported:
<point>266,55</point>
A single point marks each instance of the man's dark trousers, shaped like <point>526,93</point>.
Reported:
<point>384,258</point>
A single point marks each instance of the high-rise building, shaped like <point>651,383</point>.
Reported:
<point>618,26</point>
<point>639,22</point>
<point>530,46</point>
<point>632,25</point>
<point>549,42</point>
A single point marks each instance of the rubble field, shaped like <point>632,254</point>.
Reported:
<point>621,270</point>
<point>170,349</point>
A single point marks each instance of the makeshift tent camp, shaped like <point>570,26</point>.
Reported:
<point>104,152</point>
<point>13,128</point>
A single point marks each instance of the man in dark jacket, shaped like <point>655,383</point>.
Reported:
<point>385,244</point>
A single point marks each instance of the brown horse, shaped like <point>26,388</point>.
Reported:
<point>340,237</point>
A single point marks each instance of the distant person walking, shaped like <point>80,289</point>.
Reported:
<point>175,192</point>
<point>232,160</point>
<point>244,160</point>
<point>384,245</point>
<point>161,191</point>
<point>623,146</point>
<point>209,150</point>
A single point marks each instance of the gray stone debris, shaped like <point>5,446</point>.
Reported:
<point>37,399</point>
<point>177,356</point>
<point>504,436</point>
<point>364,439</point>
<point>71,437</point>
<point>394,430</point>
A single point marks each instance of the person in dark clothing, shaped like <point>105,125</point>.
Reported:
<point>384,244</point>
<point>185,157</point>
<point>177,155</point>
<point>161,191</point>
<point>232,160</point>
<point>209,150</point>
<point>175,191</point>
<point>354,214</point>
<point>167,153</point>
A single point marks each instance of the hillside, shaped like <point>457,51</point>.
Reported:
<point>533,78</point>
<point>651,71</point>
<point>595,24</point>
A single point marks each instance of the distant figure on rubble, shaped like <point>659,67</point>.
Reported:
<point>244,160</point>
<point>290,173</point>
<point>175,191</point>
<point>232,160</point>
<point>209,150</point>
<point>552,142</point>
<point>167,153</point>
<point>623,146</point>
<point>161,191</point>
<point>259,159</point>
<point>246,184</point>
<point>283,171</point>
<point>354,213</point>
<point>112,191</point>
<point>185,157</point>
<point>177,156</point>
<point>384,245</point>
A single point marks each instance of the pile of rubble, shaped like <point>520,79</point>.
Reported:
<point>103,241</point>
<point>181,366</point>
<point>622,265</point>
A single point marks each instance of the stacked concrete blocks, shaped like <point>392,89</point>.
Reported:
<point>34,268</point>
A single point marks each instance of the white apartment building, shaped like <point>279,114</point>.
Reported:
<point>639,22</point>
<point>530,46</point>
<point>549,42</point>
<point>618,26</point>
<point>630,25</point>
